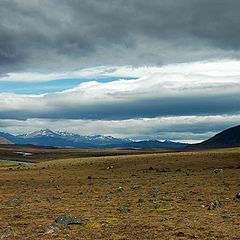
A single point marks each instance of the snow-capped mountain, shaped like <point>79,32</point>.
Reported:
<point>43,132</point>
<point>47,137</point>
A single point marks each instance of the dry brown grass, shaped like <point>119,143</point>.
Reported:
<point>183,184</point>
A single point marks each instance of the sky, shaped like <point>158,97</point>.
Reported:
<point>156,69</point>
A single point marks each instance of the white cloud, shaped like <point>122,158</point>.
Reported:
<point>223,68</point>
<point>190,85</point>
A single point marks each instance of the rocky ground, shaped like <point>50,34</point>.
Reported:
<point>191,195</point>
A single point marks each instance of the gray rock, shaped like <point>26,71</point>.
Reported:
<point>165,198</point>
<point>53,199</point>
<point>153,192</point>
<point>227,218</point>
<point>14,202</point>
<point>181,196</point>
<point>226,184</point>
<point>189,184</point>
<point>218,170</point>
<point>118,190</point>
<point>52,229</point>
<point>110,167</point>
<point>98,235</point>
<point>67,220</point>
<point>180,234</point>
<point>181,222</point>
<point>200,199</point>
<point>214,205</point>
<point>140,200</point>
<point>135,187</point>
<point>30,227</point>
<point>237,197</point>
<point>124,210</point>
<point>6,233</point>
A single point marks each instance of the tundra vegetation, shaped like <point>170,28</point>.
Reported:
<point>129,195</point>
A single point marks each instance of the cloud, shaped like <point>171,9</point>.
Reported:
<point>218,69</point>
<point>174,90</point>
<point>59,34</point>
<point>181,128</point>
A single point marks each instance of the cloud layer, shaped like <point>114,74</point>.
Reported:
<point>175,90</point>
<point>57,34</point>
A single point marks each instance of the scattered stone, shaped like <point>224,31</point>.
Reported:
<point>227,218</point>
<point>67,220</point>
<point>218,170</point>
<point>189,184</point>
<point>135,187</point>
<point>110,167</point>
<point>154,192</point>
<point>140,200</point>
<point>200,199</point>
<point>180,234</point>
<point>214,205</point>
<point>52,199</point>
<point>164,208</point>
<point>52,229</point>
<point>30,227</point>
<point>181,222</point>
<point>165,198</point>
<point>6,233</point>
<point>118,190</point>
<point>237,197</point>
<point>151,169</point>
<point>162,170</point>
<point>181,196</point>
<point>226,184</point>
<point>124,210</point>
<point>14,202</point>
<point>98,235</point>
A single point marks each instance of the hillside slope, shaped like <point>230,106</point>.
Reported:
<point>227,138</point>
<point>4,141</point>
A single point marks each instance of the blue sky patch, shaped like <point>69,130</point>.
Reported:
<point>49,87</point>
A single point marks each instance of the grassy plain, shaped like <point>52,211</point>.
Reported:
<point>143,195</point>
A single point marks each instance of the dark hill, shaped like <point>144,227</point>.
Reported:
<point>153,144</point>
<point>227,138</point>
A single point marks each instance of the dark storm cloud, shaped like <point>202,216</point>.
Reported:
<point>69,33</point>
<point>65,107</point>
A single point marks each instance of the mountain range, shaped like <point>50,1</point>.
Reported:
<point>47,137</point>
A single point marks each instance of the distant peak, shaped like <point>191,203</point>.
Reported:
<point>41,132</point>
<point>45,130</point>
